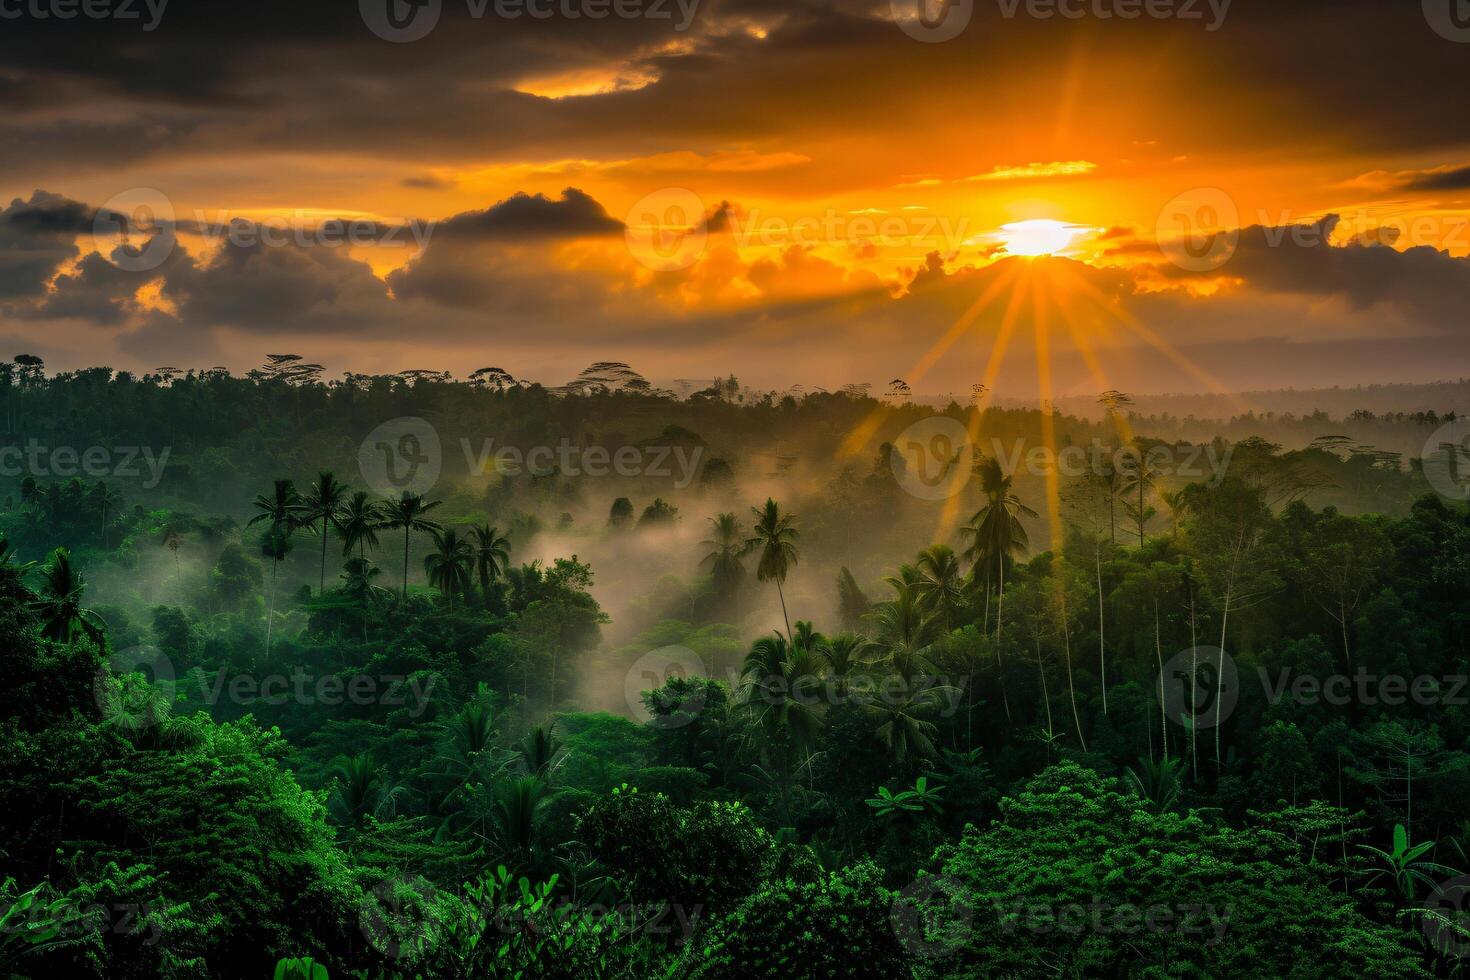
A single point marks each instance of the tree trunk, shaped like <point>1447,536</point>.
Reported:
<point>405,563</point>
<point>1102,651</point>
<point>1000,667</point>
<point>790,638</point>
<point>270,613</point>
<point>321,585</point>
<point>1159,656</point>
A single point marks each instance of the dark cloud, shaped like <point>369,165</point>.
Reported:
<point>36,237</point>
<point>573,215</point>
<point>1452,179</point>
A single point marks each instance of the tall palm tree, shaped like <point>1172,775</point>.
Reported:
<point>941,585</point>
<point>408,513</point>
<point>106,500</point>
<point>492,556</point>
<point>324,503</point>
<point>775,535</point>
<point>359,521</point>
<point>283,511</point>
<point>728,546</point>
<point>448,566</point>
<point>58,603</point>
<point>996,535</point>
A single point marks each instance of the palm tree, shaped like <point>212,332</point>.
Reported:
<point>775,535</point>
<point>359,521</point>
<point>1177,502</point>
<point>728,545</point>
<point>540,751</point>
<point>778,680</point>
<point>905,629</point>
<point>844,653</point>
<point>284,510</point>
<point>904,726</point>
<point>408,513</point>
<point>996,535</point>
<point>358,790</point>
<point>106,500</point>
<point>59,602</point>
<point>324,503</point>
<point>492,556</point>
<point>357,578</point>
<point>940,585</point>
<point>448,567</point>
<point>1139,474</point>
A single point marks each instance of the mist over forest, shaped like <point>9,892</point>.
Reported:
<point>405,676</point>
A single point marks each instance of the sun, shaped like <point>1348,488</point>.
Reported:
<point>1038,236</point>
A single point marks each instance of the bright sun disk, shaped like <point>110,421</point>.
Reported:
<point>1038,236</point>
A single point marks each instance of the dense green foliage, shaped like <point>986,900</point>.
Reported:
<point>265,722</point>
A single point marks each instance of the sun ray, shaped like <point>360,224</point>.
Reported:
<point>864,430</point>
<point>949,514</point>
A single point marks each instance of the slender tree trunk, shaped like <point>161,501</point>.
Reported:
<point>790,638</point>
<point>405,563</point>
<point>1193,672</point>
<point>1071,686</point>
<point>1219,673</point>
<point>1159,656</point>
<point>321,586</point>
<point>1045,696</point>
<point>1000,667</point>
<point>270,612</point>
<point>1347,652</point>
<point>1140,502</point>
<point>1102,650</point>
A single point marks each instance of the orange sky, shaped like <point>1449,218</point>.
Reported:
<point>856,183</point>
